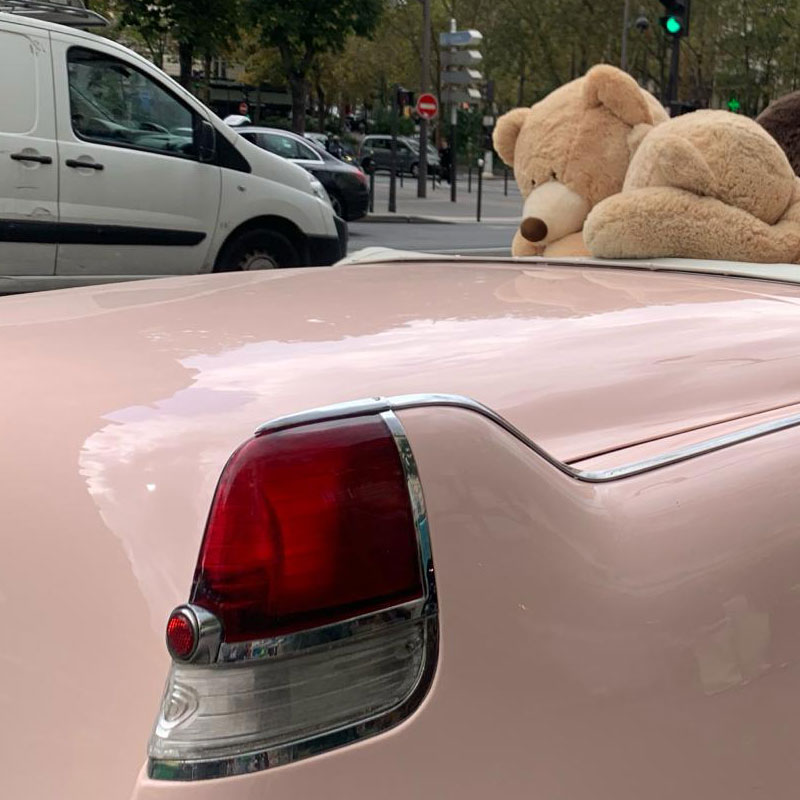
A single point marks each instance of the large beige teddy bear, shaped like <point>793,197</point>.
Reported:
<point>709,184</point>
<point>570,151</point>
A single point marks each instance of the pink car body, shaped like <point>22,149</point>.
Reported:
<point>615,528</point>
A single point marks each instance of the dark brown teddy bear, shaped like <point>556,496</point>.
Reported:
<point>781,119</point>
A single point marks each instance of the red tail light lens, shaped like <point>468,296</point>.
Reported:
<point>181,636</point>
<point>308,526</point>
<point>361,176</point>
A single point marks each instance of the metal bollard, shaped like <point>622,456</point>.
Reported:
<point>480,186</point>
<point>505,181</point>
<point>469,179</point>
<point>371,191</point>
<point>402,172</point>
<point>433,180</point>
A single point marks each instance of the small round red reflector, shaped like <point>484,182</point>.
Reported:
<point>181,638</point>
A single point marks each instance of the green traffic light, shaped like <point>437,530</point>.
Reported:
<point>673,25</point>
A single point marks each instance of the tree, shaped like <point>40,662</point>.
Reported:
<point>302,31</point>
<point>200,27</point>
<point>150,23</point>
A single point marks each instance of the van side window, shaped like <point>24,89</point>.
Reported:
<point>111,102</point>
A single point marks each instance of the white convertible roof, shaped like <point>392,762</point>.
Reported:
<point>786,273</point>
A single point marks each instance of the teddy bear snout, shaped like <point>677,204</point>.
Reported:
<point>533,229</point>
<point>551,211</point>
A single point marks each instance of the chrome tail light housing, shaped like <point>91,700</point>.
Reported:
<point>313,608</point>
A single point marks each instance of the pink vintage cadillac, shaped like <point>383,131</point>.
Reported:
<point>404,528</point>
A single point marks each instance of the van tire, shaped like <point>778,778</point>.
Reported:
<point>256,250</point>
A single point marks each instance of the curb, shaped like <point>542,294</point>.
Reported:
<point>430,220</point>
<point>417,218</point>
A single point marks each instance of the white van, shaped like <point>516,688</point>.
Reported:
<point>109,170</point>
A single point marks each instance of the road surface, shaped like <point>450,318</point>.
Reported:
<point>477,239</point>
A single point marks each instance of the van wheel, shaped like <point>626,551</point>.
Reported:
<point>414,170</point>
<point>258,249</point>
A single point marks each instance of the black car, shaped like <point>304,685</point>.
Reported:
<point>346,184</point>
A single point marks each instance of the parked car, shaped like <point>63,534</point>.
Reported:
<point>342,150</point>
<point>320,138</point>
<point>415,527</point>
<point>345,184</point>
<point>377,150</point>
<point>109,170</point>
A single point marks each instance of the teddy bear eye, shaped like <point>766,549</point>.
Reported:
<point>533,181</point>
<point>553,176</point>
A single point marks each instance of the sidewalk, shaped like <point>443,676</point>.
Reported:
<point>437,207</point>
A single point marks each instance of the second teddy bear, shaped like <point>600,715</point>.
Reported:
<point>781,120</point>
<point>709,184</point>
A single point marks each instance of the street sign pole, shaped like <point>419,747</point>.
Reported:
<point>423,87</point>
<point>459,84</point>
<point>453,131</point>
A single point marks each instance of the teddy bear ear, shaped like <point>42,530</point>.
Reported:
<point>506,132</point>
<point>608,86</point>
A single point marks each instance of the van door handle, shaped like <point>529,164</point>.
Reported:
<point>31,157</point>
<point>75,164</point>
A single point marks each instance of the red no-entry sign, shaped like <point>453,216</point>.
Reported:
<point>427,106</point>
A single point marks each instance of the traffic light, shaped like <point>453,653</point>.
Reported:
<point>405,98</point>
<point>676,19</point>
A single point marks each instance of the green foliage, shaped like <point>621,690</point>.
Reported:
<point>350,52</point>
<point>313,26</point>
<point>303,31</point>
<point>468,134</point>
<point>270,121</point>
<point>382,123</point>
<point>204,27</point>
<point>151,21</point>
